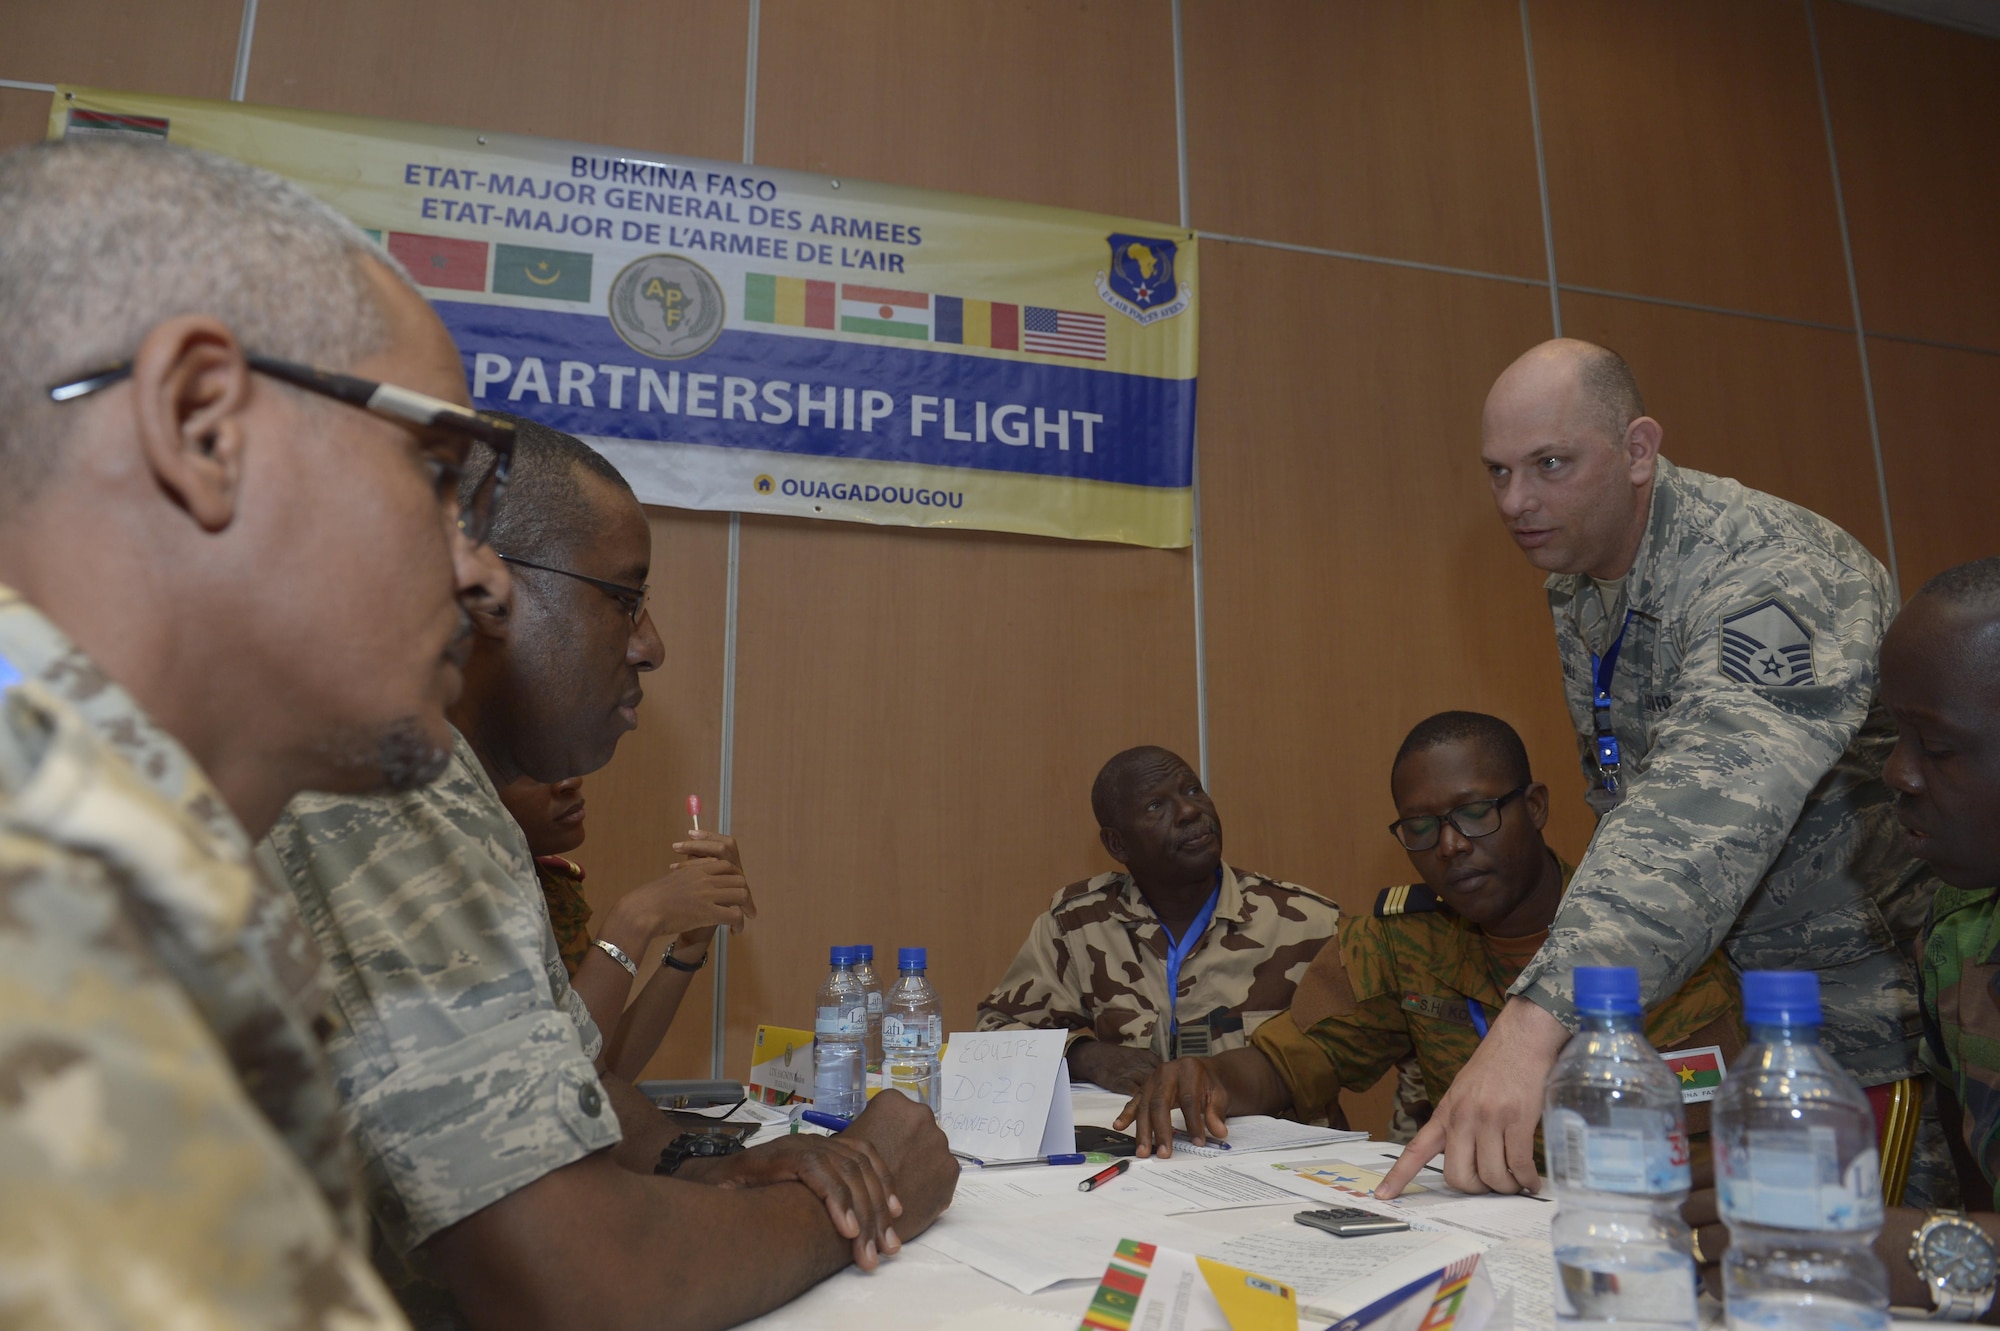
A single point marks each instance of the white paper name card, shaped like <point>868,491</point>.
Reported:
<point>1004,1095</point>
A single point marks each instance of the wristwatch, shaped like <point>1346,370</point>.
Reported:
<point>667,959</point>
<point>696,1145</point>
<point>1955,1257</point>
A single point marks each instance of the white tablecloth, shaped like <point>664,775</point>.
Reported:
<point>922,1288</point>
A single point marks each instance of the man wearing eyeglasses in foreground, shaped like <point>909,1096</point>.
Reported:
<point>1718,649</point>
<point>219,588</point>
<point>515,1184</point>
<point>1423,974</point>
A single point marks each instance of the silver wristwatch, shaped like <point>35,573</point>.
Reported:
<point>1956,1260</point>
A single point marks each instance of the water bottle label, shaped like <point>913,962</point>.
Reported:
<point>905,1033</point>
<point>841,1021</point>
<point>874,1002</point>
<point>1639,1151</point>
<point>1790,1178</point>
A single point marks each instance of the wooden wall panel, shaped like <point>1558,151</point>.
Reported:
<point>1937,409</point>
<point>662,76</point>
<point>637,805</point>
<point>1399,129</point>
<point>185,49</point>
<point>1916,115</point>
<point>1358,576</point>
<point>919,718</point>
<point>24,117</point>
<point>1774,405</point>
<point>1686,154</point>
<point>1068,103</point>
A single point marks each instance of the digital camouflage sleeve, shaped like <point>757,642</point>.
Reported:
<point>1753,815</point>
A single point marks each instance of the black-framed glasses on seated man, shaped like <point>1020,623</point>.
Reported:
<point>632,600</point>
<point>450,423</point>
<point>1475,819</point>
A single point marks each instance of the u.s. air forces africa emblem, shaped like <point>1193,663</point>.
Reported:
<point>666,306</point>
<point>1766,645</point>
<point>1141,283</point>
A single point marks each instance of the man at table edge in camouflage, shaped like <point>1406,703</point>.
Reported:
<point>1099,961</point>
<point>512,1183</point>
<point>1418,978</point>
<point>221,590</point>
<point>1736,764</point>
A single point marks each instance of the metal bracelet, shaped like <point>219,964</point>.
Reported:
<point>617,954</point>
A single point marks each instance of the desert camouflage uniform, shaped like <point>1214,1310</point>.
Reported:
<point>1754,817</point>
<point>1096,963</point>
<point>1397,984</point>
<point>465,1057</point>
<point>171,1150</point>
<point>1961,968</point>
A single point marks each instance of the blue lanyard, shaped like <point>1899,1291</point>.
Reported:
<point>1177,950</point>
<point>1601,669</point>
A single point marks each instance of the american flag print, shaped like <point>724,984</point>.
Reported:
<point>1062,333</point>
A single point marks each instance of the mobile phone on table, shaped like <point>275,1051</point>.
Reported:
<point>1350,1221</point>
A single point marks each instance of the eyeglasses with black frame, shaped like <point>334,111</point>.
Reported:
<point>632,600</point>
<point>1476,819</point>
<point>403,405</point>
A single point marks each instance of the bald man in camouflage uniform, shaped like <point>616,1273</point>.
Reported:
<point>1734,755</point>
<point>1097,962</point>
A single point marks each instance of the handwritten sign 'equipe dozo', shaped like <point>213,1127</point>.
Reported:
<point>1004,1095</point>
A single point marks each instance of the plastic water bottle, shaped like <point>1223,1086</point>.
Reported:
<point>1797,1172</point>
<point>864,971</point>
<point>840,1028</point>
<point>1616,1137</point>
<point>912,1030</point>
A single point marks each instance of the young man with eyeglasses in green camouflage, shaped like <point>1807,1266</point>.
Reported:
<point>1423,973</point>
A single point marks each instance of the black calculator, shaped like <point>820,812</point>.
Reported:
<point>1350,1221</point>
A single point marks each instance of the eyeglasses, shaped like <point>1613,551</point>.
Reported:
<point>1477,819</point>
<point>475,516</point>
<point>632,600</point>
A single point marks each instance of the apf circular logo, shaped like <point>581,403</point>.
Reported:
<point>765,485</point>
<point>666,306</point>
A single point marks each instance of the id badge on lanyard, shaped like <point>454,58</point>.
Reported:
<point>1601,670</point>
<point>1193,1042</point>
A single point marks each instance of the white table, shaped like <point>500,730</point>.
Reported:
<point>921,1288</point>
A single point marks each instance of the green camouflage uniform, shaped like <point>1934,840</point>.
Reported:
<point>1096,963</point>
<point>1961,968</point>
<point>1396,985</point>
<point>465,1057</point>
<point>171,1150</point>
<point>1753,817</point>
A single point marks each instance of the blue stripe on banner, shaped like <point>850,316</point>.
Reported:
<point>745,391</point>
<point>947,319</point>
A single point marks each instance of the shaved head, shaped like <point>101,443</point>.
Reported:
<point>1122,772</point>
<point>1571,456</point>
<point>102,241</point>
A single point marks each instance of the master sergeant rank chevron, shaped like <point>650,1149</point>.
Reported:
<point>1766,645</point>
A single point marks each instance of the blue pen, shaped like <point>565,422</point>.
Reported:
<point>831,1122</point>
<point>1038,1160</point>
<point>1478,1016</point>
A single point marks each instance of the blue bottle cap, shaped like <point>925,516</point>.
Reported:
<point>1781,998</point>
<point>840,956</point>
<point>864,952</point>
<point>912,958</point>
<point>1607,991</point>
